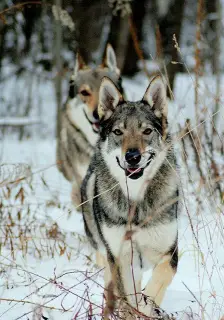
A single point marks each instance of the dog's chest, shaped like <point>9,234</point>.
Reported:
<point>151,242</point>
<point>134,189</point>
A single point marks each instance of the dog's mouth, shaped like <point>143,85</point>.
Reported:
<point>135,172</point>
<point>95,125</point>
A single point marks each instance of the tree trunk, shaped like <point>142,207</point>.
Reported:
<point>131,57</point>
<point>89,17</point>
<point>58,63</point>
<point>118,38</point>
<point>3,28</point>
<point>212,32</point>
<point>169,25</point>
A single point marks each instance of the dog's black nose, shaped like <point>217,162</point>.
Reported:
<point>95,114</point>
<point>133,157</point>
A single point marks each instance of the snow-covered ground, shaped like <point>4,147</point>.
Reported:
<point>46,266</point>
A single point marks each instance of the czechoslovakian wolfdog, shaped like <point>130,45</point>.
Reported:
<point>79,120</point>
<point>132,189</point>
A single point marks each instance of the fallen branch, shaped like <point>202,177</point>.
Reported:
<point>17,122</point>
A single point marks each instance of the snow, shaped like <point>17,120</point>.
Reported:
<point>56,267</point>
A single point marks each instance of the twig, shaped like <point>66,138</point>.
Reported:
<point>20,5</point>
<point>30,302</point>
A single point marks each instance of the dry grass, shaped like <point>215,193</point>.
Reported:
<point>22,231</point>
<point>28,230</point>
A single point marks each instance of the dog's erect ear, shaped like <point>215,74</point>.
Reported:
<point>79,64</point>
<point>155,96</point>
<point>110,60</point>
<point>109,97</point>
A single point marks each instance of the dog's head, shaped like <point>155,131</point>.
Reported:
<point>132,133</point>
<point>85,84</point>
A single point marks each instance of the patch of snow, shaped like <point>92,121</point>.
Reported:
<point>67,280</point>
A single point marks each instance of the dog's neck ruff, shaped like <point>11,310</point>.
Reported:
<point>75,112</point>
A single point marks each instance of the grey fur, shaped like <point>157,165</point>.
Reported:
<point>72,147</point>
<point>74,144</point>
<point>111,209</point>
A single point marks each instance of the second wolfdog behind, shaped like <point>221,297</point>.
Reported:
<point>131,187</point>
<point>79,120</point>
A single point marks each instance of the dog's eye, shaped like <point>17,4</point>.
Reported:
<point>147,131</point>
<point>117,132</point>
<point>85,93</point>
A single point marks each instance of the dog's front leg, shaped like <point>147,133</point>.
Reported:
<point>100,260</point>
<point>123,283</point>
<point>161,278</point>
<point>126,275</point>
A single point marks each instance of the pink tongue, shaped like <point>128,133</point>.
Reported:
<point>96,126</point>
<point>134,169</point>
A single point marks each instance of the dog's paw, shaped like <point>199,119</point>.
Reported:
<point>148,308</point>
<point>159,313</point>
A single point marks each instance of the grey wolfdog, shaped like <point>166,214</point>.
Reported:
<point>79,120</point>
<point>131,191</point>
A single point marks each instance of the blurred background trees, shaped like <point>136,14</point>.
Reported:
<point>28,40</point>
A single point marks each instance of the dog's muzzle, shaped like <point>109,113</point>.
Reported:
<point>133,169</point>
<point>95,125</point>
